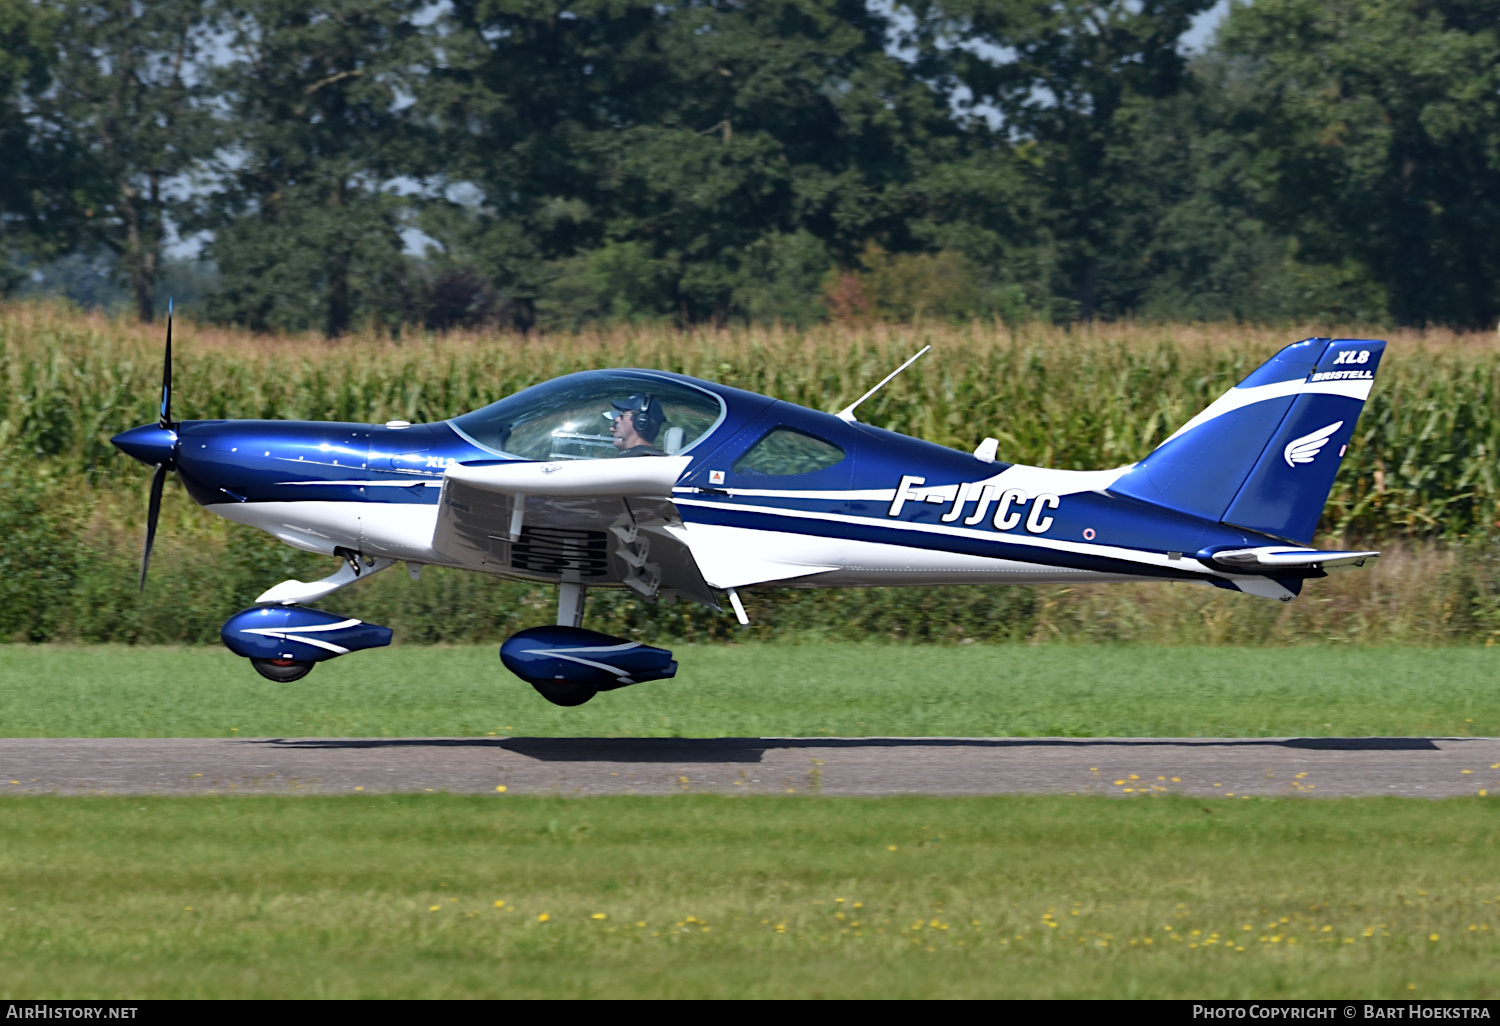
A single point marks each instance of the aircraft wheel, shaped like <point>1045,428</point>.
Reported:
<point>563,692</point>
<point>282,671</point>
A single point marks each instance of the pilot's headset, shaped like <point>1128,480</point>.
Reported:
<point>646,414</point>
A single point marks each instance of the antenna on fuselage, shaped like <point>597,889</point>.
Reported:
<point>847,413</point>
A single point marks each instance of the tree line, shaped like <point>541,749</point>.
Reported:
<point>557,162</point>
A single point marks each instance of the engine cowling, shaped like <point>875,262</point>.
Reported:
<point>298,633</point>
<point>546,656</point>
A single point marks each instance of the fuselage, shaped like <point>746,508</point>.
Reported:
<point>774,493</point>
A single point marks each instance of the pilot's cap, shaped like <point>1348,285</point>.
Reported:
<point>648,413</point>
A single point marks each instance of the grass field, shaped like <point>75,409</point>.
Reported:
<point>770,690</point>
<point>696,896</point>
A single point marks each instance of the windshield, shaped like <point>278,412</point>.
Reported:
<point>565,419</point>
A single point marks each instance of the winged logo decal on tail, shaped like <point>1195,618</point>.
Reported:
<point>1302,450</point>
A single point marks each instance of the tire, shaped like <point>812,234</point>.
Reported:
<point>564,693</point>
<point>282,671</point>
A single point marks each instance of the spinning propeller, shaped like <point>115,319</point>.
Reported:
<point>154,445</point>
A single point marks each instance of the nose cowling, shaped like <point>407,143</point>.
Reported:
<point>149,443</point>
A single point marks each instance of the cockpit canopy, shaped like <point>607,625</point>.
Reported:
<point>565,418</point>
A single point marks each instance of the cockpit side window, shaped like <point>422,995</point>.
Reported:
<point>569,418</point>
<point>787,452</point>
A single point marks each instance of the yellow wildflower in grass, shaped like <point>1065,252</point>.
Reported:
<point>500,903</point>
<point>1432,936</point>
<point>433,908</point>
<point>598,915</point>
<point>543,918</point>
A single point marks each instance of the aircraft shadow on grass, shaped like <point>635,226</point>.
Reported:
<point>750,749</point>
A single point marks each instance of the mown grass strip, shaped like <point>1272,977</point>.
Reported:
<point>697,896</point>
<point>772,690</point>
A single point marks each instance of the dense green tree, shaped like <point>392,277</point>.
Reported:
<point>29,210</point>
<point>122,103</point>
<point>1061,74</point>
<point>696,160</point>
<point>704,160</point>
<point>1192,240</point>
<point>1378,134</point>
<point>316,123</point>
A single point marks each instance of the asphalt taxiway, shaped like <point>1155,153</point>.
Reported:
<point>1238,767</point>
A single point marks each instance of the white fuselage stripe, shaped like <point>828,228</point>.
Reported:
<point>1239,398</point>
<point>1081,548</point>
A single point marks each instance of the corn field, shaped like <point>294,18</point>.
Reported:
<point>1422,464</point>
<point>1419,480</point>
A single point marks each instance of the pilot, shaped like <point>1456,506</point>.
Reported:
<point>636,423</point>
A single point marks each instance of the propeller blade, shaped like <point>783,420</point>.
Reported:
<point>166,379</point>
<point>153,510</point>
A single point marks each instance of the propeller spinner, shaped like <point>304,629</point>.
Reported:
<point>154,445</point>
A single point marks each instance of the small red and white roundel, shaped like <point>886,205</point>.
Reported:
<point>1088,534</point>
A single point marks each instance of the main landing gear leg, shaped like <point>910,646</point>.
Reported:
<point>570,604</point>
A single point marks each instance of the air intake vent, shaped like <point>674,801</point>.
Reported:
<point>550,550</point>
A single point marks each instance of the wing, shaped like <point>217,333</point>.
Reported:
<point>584,522</point>
<point>1302,450</point>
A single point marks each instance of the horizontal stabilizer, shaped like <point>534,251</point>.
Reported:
<point>1282,557</point>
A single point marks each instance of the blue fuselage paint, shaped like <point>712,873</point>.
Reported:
<point>222,461</point>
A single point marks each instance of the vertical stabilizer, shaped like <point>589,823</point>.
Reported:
<point>1263,456</point>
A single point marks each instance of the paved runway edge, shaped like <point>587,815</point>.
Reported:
<point>1227,767</point>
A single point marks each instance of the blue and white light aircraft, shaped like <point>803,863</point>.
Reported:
<point>676,487</point>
